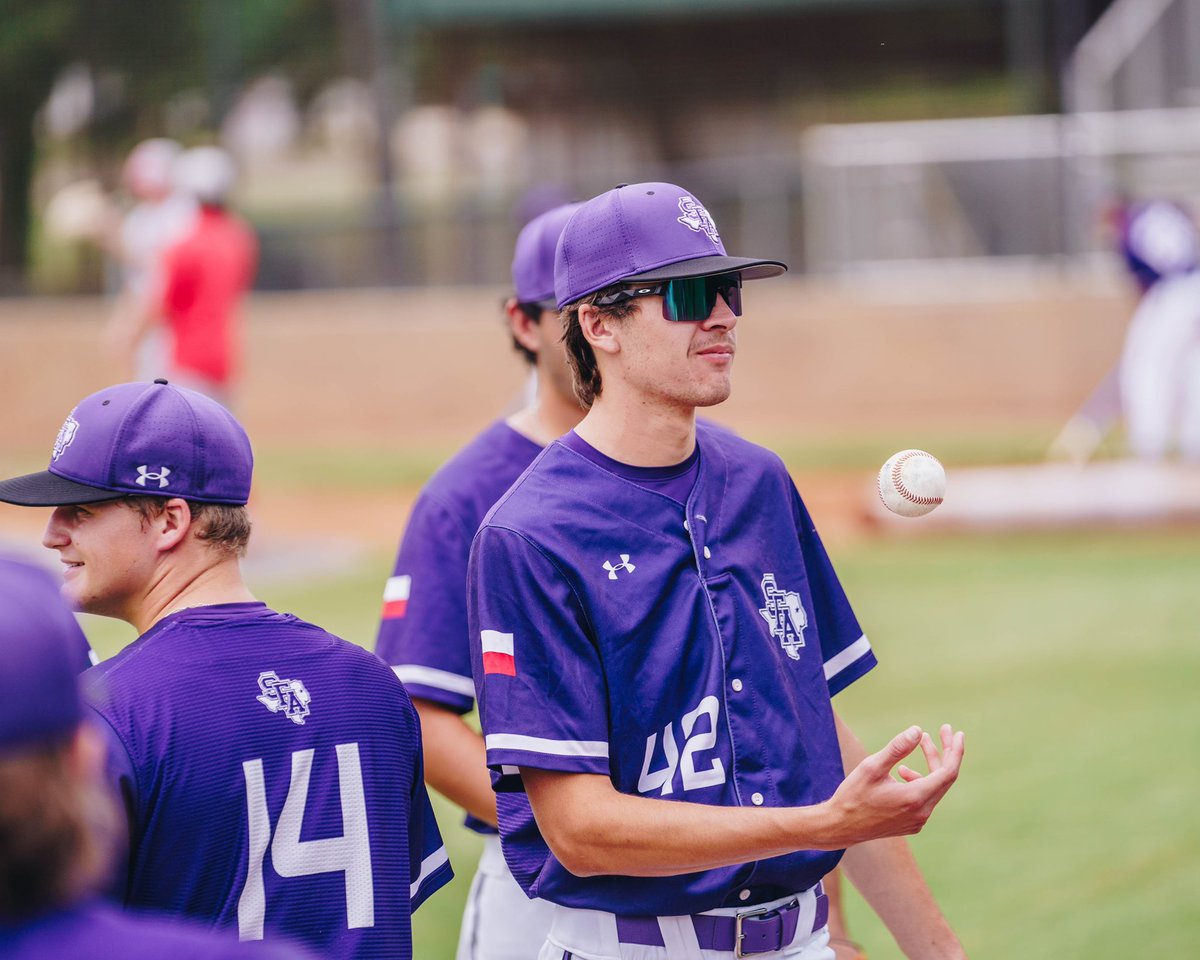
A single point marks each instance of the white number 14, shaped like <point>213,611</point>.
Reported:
<point>293,857</point>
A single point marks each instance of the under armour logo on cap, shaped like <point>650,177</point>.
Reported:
<point>145,474</point>
<point>116,441</point>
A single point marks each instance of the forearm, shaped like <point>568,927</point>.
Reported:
<point>887,876</point>
<point>455,760</point>
<point>594,830</point>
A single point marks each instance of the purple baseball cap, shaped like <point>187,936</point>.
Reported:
<point>39,640</point>
<point>533,259</point>
<point>644,232</point>
<point>138,439</point>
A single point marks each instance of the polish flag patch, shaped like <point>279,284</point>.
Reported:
<point>498,653</point>
<point>395,597</point>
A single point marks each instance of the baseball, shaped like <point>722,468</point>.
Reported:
<point>912,483</point>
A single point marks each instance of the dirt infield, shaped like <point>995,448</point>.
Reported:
<point>428,368</point>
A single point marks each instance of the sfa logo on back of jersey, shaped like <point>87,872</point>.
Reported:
<point>785,616</point>
<point>290,697</point>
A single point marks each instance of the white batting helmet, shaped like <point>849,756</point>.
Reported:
<point>207,173</point>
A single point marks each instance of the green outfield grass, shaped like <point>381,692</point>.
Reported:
<point>1070,660</point>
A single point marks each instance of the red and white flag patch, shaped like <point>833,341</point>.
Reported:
<point>395,597</point>
<point>498,653</point>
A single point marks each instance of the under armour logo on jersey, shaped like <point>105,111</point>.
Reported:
<point>785,616</point>
<point>66,434</point>
<point>697,219</point>
<point>145,473</point>
<point>289,697</point>
<point>623,565</point>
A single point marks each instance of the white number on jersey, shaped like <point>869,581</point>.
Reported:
<point>292,857</point>
<point>692,778</point>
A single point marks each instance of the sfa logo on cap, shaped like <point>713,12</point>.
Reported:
<point>697,219</point>
<point>66,435</point>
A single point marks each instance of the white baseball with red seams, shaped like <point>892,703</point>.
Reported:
<point>912,483</point>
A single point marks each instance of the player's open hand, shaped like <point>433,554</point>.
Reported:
<point>871,803</point>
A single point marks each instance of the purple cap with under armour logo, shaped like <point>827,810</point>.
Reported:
<point>142,439</point>
<point>39,638</point>
<point>533,258</point>
<point>644,232</point>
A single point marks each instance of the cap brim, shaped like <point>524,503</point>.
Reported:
<point>46,489</point>
<point>749,268</point>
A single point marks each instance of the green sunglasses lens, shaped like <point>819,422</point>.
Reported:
<point>693,298</point>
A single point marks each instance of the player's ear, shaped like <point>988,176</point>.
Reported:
<point>599,328</point>
<point>523,327</point>
<point>173,524</point>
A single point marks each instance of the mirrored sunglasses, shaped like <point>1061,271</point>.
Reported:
<point>688,298</point>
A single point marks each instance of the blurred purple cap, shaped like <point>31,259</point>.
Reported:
<point>142,439</point>
<point>39,658</point>
<point>533,259</point>
<point>644,232</point>
<point>1159,239</point>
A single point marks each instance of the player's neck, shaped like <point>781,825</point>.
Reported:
<point>638,435</point>
<point>548,417</point>
<point>180,589</point>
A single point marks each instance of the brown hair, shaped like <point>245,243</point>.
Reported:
<point>534,312</point>
<point>585,374</point>
<point>56,831</point>
<point>225,526</point>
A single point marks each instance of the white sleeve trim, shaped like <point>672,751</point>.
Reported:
<point>558,748</point>
<point>430,864</point>
<point>438,679</point>
<point>840,661</point>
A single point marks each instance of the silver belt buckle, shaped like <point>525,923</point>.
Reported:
<point>738,936</point>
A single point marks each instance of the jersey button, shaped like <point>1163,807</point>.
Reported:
<point>737,686</point>
<point>756,799</point>
<point>744,895</point>
<point>707,554</point>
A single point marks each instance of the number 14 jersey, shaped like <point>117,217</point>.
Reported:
<point>272,777</point>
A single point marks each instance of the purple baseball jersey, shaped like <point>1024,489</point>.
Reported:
<point>423,630</point>
<point>273,780</point>
<point>685,651</point>
<point>100,932</point>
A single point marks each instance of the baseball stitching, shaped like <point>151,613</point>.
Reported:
<point>898,483</point>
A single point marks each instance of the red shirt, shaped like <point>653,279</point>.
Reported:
<point>205,276</point>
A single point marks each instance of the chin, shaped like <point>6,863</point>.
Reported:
<point>713,396</point>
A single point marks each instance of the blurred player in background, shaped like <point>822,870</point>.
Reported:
<point>160,216</point>
<point>1160,361</point>
<point>271,773</point>
<point>58,821</point>
<point>1155,385</point>
<point>206,274</point>
<point>656,634</point>
<point>201,279</point>
<point>423,633</point>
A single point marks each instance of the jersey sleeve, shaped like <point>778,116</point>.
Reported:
<point>845,649</point>
<point>423,627</point>
<point>541,684</point>
<point>429,867</point>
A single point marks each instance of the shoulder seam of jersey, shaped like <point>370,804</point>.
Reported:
<point>554,563</point>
